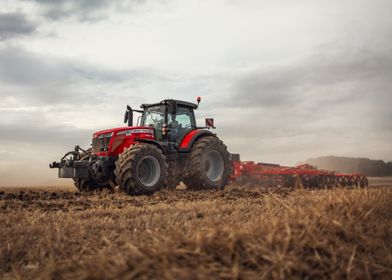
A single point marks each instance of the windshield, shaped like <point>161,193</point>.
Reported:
<point>154,116</point>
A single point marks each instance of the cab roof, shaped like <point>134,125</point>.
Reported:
<point>169,101</point>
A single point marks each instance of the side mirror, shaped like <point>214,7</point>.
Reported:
<point>128,116</point>
<point>210,123</point>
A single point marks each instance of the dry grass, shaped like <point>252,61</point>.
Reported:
<point>231,234</point>
<point>380,181</point>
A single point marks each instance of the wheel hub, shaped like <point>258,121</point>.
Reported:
<point>149,171</point>
<point>214,166</point>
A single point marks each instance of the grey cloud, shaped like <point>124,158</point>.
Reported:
<point>41,79</point>
<point>289,85</point>
<point>37,79</point>
<point>15,25</point>
<point>266,88</point>
<point>92,10</point>
<point>24,68</point>
<point>327,102</point>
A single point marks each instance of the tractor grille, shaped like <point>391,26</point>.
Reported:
<point>101,143</point>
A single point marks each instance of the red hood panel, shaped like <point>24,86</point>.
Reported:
<point>117,129</point>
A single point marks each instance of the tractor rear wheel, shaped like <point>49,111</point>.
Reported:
<point>209,165</point>
<point>91,183</point>
<point>141,169</point>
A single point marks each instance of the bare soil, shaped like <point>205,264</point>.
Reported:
<point>232,234</point>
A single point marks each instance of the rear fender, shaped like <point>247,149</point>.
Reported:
<point>188,140</point>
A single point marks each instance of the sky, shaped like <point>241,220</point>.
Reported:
<point>284,80</point>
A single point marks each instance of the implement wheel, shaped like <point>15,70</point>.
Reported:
<point>363,182</point>
<point>141,169</point>
<point>209,165</point>
<point>91,183</point>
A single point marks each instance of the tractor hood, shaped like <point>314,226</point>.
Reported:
<point>111,142</point>
<point>127,130</point>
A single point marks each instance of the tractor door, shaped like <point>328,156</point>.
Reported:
<point>180,123</point>
<point>154,116</point>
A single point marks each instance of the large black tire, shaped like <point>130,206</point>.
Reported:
<point>90,184</point>
<point>209,165</point>
<point>141,169</point>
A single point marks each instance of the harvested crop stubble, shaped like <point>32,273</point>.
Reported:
<point>339,233</point>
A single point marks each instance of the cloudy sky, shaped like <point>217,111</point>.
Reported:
<point>284,80</point>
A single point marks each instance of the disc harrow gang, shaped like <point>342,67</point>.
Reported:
<point>301,176</point>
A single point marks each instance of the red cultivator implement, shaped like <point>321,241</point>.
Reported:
<point>303,176</point>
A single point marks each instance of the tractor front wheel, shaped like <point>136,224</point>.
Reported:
<point>141,169</point>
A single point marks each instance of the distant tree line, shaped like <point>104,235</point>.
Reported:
<point>365,166</point>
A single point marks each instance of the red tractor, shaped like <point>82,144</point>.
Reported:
<point>163,149</point>
<point>166,147</point>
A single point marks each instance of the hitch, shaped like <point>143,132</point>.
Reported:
<point>55,165</point>
<point>72,167</point>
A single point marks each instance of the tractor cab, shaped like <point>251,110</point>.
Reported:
<point>171,119</point>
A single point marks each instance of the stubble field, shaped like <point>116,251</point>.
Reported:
<point>180,234</point>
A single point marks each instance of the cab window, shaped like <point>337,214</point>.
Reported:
<point>154,116</point>
<point>184,118</point>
